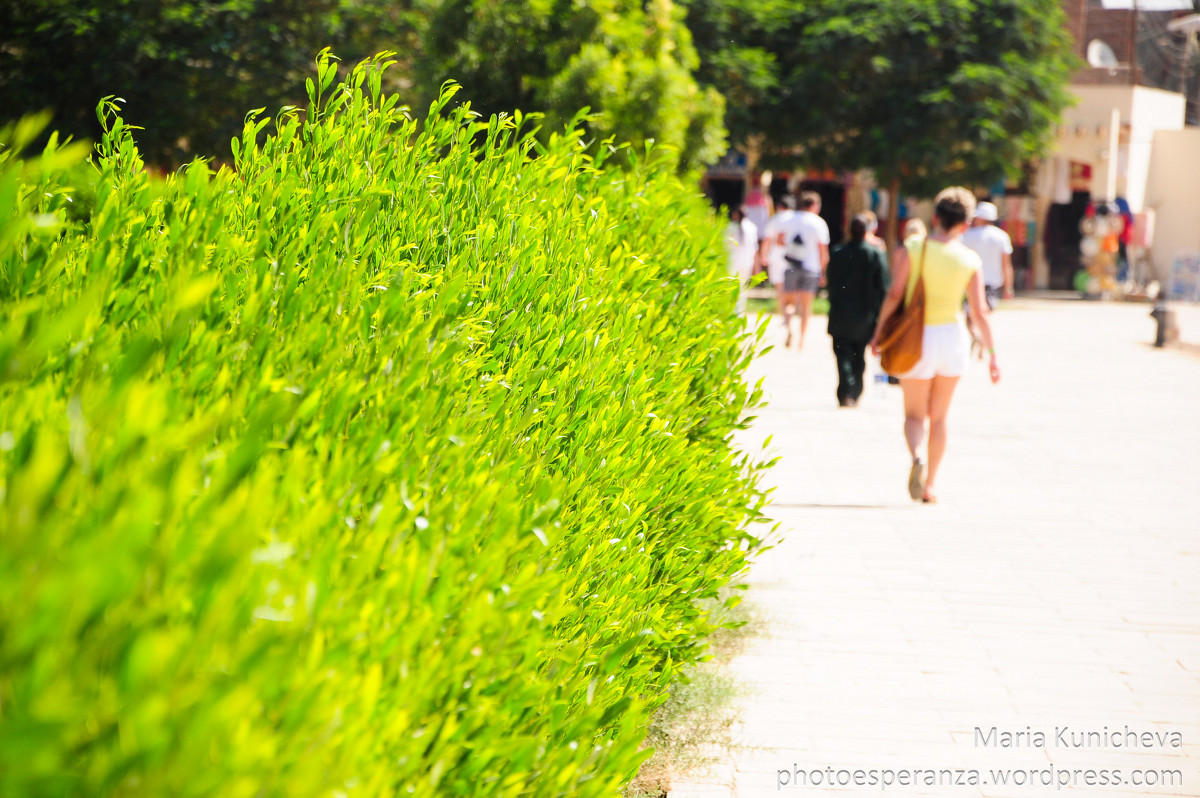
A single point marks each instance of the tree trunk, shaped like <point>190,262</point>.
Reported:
<point>753,156</point>
<point>892,236</point>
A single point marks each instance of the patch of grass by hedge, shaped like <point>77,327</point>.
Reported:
<point>692,732</point>
<point>759,305</point>
<point>395,460</point>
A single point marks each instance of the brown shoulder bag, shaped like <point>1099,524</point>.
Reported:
<point>901,335</point>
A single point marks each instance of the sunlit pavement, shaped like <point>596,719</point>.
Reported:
<point>1055,587</point>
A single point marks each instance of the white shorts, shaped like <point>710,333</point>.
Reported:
<point>945,352</point>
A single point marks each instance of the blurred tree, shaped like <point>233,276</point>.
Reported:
<point>630,62</point>
<point>924,92</point>
<point>932,92</point>
<point>742,46</point>
<point>187,70</point>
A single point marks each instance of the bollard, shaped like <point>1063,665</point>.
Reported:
<point>1165,318</point>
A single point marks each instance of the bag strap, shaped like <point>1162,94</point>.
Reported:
<point>918,281</point>
<point>921,269</point>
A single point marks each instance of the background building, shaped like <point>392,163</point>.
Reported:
<point>1131,137</point>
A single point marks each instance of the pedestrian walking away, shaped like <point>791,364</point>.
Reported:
<point>787,302</point>
<point>804,239</point>
<point>857,280</point>
<point>741,242</point>
<point>758,212</point>
<point>913,228</point>
<point>872,237</point>
<point>949,270</point>
<point>995,251</point>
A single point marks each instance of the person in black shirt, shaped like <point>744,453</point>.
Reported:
<point>857,279</point>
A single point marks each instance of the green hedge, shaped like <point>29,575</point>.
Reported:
<point>395,460</point>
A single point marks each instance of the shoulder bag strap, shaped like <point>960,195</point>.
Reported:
<point>918,286</point>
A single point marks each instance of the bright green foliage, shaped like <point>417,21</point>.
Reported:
<point>392,462</point>
<point>630,62</point>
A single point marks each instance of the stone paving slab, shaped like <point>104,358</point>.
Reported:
<point>1057,584</point>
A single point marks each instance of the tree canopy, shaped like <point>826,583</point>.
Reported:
<point>630,62</point>
<point>187,71</point>
<point>742,48</point>
<point>931,93</point>
<point>924,92</point>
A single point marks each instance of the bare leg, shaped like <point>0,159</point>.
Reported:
<point>788,302</point>
<point>784,310</point>
<point>916,410</point>
<point>940,394</point>
<point>806,304</point>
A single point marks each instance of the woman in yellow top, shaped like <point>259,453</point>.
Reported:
<point>950,270</point>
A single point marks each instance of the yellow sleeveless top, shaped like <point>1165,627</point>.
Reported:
<point>948,269</point>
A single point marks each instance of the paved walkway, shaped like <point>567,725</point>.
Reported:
<point>1057,585</point>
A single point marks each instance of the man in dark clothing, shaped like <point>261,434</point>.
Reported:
<point>857,278</point>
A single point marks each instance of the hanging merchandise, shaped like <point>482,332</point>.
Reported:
<point>1101,228</point>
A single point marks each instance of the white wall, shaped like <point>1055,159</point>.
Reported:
<point>1085,137</point>
<point>1154,111</point>
<point>1173,192</point>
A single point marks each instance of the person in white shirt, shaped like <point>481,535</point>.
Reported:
<point>772,255</point>
<point>741,241</point>
<point>995,250</point>
<point>758,211</point>
<point>804,241</point>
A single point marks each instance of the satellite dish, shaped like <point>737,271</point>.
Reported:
<point>1100,55</point>
<point>1188,24</point>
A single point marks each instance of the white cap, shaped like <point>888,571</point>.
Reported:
<point>986,211</point>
